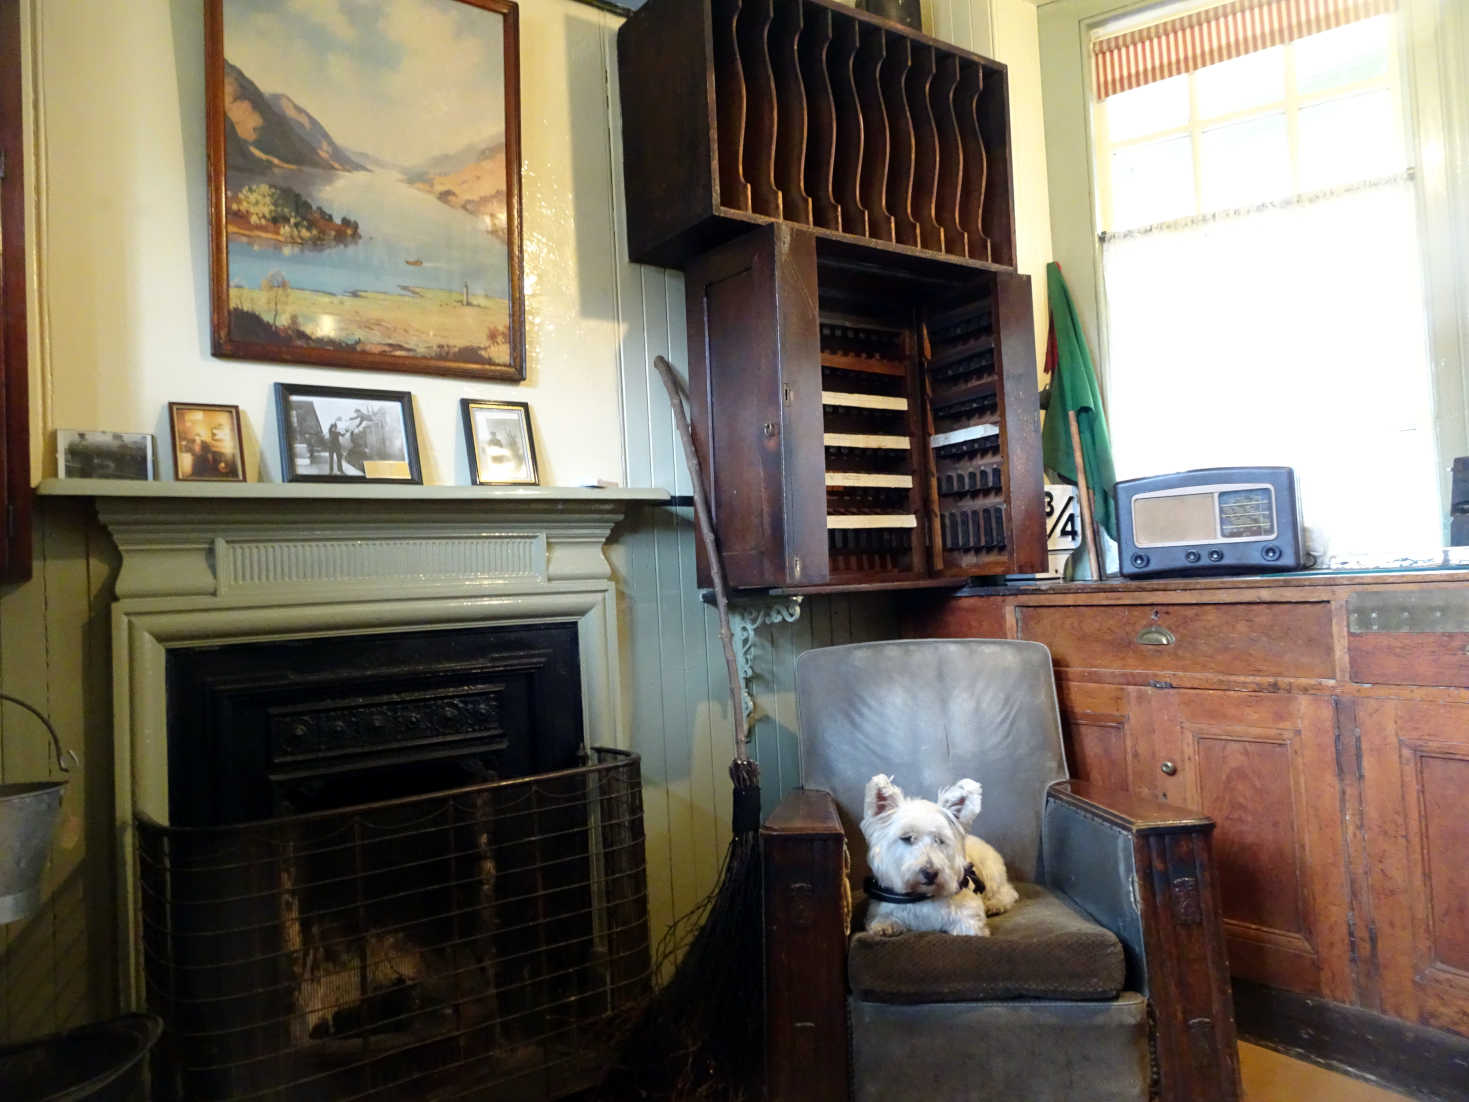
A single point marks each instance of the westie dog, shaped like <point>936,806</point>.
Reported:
<point>929,873</point>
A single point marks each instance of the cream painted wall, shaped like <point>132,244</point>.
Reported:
<point>121,260</point>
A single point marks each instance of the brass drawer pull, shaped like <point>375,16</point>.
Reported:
<point>1156,637</point>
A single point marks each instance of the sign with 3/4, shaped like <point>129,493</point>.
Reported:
<point>1063,518</point>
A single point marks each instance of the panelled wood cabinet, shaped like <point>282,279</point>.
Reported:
<point>1323,723</point>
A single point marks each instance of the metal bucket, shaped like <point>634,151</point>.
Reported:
<point>101,1062</point>
<point>28,815</point>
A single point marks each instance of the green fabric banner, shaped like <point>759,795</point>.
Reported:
<point>1074,387</point>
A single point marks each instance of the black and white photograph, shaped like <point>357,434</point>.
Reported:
<point>338,434</point>
<point>502,450</point>
<point>96,454</point>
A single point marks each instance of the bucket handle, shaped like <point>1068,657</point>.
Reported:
<point>65,759</point>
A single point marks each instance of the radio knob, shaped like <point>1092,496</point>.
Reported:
<point>1192,556</point>
<point>1140,560</point>
<point>1270,552</point>
<point>1216,555</point>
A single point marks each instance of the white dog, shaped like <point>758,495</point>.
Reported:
<point>929,873</point>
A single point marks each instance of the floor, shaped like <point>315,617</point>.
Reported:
<point>1271,1077</point>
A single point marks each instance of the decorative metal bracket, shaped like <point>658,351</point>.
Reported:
<point>746,615</point>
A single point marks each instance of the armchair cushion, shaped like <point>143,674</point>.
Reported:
<point>1042,948</point>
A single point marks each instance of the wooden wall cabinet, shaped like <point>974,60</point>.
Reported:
<point>742,112</point>
<point>1324,724</point>
<point>15,466</point>
<point>862,425</point>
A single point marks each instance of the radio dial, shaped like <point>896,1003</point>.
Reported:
<point>1216,555</point>
<point>1192,556</point>
<point>1140,560</point>
<point>1270,552</point>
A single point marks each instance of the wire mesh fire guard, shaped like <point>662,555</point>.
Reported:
<point>484,942</point>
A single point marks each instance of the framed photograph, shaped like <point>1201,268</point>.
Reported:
<point>338,434</point>
<point>618,7</point>
<point>364,176</point>
<point>94,454</point>
<point>502,450</point>
<point>206,443</point>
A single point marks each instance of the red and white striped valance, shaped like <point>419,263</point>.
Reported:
<point>1133,58</point>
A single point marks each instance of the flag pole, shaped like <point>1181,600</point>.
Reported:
<point>1083,492</point>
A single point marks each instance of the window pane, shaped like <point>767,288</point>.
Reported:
<point>1147,110</point>
<point>1244,163</point>
<point>1353,138</point>
<point>1254,80</point>
<point>1346,55</point>
<point>1152,183</point>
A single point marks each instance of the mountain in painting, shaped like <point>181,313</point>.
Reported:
<point>471,179</point>
<point>259,135</point>
<point>306,126</point>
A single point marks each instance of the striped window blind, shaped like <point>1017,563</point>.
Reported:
<point>1128,60</point>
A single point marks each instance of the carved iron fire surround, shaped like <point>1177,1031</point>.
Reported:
<point>214,565</point>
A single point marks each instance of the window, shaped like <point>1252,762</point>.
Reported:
<point>1262,285</point>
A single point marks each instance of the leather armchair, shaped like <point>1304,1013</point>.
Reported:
<point>930,712</point>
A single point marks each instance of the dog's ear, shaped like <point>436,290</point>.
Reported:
<point>961,800</point>
<point>881,795</point>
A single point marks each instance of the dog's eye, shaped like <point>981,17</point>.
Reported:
<point>940,840</point>
<point>906,839</point>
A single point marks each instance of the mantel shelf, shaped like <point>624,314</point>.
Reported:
<point>336,491</point>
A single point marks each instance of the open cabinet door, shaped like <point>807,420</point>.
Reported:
<point>979,381</point>
<point>15,467</point>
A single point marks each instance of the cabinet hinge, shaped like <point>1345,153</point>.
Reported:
<point>1160,684</point>
<point>796,567</point>
<point>2,164</point>
<point>788,394</point>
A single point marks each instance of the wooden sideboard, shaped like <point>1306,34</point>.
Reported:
<point>1323,722</point>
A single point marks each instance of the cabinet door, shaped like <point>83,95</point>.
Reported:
<point>1105,728</point>
<point>1263,766</point>
<point>1415,773</point>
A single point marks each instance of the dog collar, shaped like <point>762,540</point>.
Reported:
<point>875,890</point>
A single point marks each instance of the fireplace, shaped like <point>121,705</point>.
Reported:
<point>373,855</point>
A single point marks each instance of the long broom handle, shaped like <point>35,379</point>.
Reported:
<point>675,390</point>
<point>1093,552</point>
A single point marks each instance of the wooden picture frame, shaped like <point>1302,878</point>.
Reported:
<point>370,218</point>
<point>208,444</point>
<point>344,434</point>
<point>500,443</point>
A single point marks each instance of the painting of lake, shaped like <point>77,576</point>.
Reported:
<point>365,167</point>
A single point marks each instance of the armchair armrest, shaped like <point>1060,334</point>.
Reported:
<point>805,871</point>
<point>1145,870</point>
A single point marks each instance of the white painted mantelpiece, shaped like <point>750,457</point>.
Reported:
<point>206,565</point>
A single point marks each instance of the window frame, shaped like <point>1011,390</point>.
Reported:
<point>1434,88</point>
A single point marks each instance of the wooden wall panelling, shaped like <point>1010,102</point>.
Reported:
<point>925,148</point>
<point>900,136</point>
<point>1415,772</point>
<point>15,453</point>
<point>729,101</point>
<point>876,140</point>
<point>974,169</point>
<point>850,151</point>
<point>790,113</point>
<point>950,157</point>
<point>821,120</point>
<point>760,118</point>
<point>1253,762</point>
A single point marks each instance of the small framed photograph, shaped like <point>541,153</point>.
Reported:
<point>339,434</point>
<point>206,443</point>
<point>91,453</point>
<point>502,450</point>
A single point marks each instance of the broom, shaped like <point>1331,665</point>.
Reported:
<point>701,1035</point>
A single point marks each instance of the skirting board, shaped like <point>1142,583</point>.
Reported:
<point>1413,1059</point>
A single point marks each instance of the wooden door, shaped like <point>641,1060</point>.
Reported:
<point>15,467</point>
<point>1415,784</point>
<point>1263,766</point>
<point>1106,731</point>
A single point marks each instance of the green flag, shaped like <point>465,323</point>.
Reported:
<point>1074,387</point>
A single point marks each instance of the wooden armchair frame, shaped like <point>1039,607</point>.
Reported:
<point>1163,904</point>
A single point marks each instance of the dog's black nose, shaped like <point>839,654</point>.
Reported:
<point>928,876</point>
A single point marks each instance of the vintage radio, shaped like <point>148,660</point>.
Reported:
<point>1222,520</point>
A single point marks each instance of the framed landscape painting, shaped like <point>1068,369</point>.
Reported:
<point>364,174</point>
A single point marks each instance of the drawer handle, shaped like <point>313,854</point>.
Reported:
<point>1156,637</point>
<point>1168,768</point>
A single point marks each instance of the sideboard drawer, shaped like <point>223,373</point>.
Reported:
<point>1271,640</point>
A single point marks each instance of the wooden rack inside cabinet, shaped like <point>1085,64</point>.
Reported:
<point>741,112</point>
<point>860,423</point>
